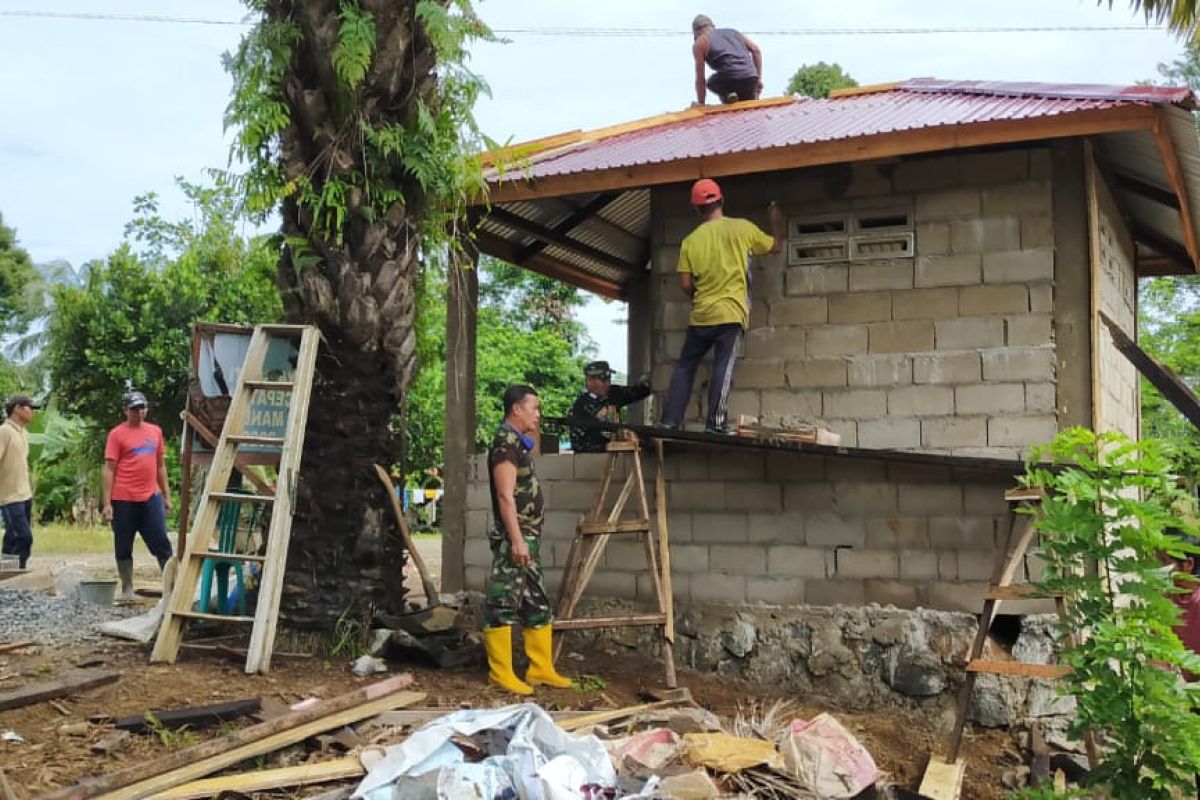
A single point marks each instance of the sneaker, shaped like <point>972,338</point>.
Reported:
<point>665,426</point>
<point>719,430</point>
<point>732,97</point>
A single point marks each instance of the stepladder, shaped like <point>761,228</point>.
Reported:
<point>1015,556</point>
<point>626,516</point>
<point>216,540</point>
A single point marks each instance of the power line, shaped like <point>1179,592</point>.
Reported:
<point>590,32</point>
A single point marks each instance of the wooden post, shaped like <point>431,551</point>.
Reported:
<point>185,456</point>
<point>462,298</point>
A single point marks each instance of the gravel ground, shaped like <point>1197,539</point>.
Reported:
<point>54,620</point>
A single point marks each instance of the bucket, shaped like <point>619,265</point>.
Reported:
<point>99,593</point>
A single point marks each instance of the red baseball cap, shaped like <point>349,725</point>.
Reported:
<point>705,191</point>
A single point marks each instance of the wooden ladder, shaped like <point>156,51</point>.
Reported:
<point>1024,507</point>
<point>233,436</point>
<point>592,535</point>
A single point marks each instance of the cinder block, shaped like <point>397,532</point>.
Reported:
<point>967,597</point>
<point>968,333</point>
<point>668,344</point>
<point>675,315</point>
<point>793,467</point>
<point>892,593</point>
<point>798,562</point>
<point>555,467</point>
<point>1019,364</point>
<point>626,554</point>
<point>610,583</point>
<point>853,563</point>
<point>855,403</point>
<point>1027,198</point>
<point>869,179</point>
<point>855,469</point>
<point>677,226</point>
<point>985,499</point>
<point>758,315</point>
<point>767,277</point>
<point>720,588</point>
<point>954,270</point>
<point>477,551</point>
<point>720,528</point>
<point>962,533</point>
<point>1020,266</point>
<point>569,495</point>
<point>774,343</point>
<point>476,577</point>
<point>696,496</point>
<point>816,280</point>
<point>816,372</point>
<point>901,337</point>
<point>837,340</point>
<point>860,306</point>
<point>879,370</point>
<point>949,432</point>
<point>739,559</point>
<point>931,498</point>
<point>685,466</point>
<point>775,591</point>
<point>919,401</point>
<point>1021,431</point>
<point>737,465</point>
<point>1040,163</point>
<point>669,290</point>
<point>776,527</point>
<point>845,428</point>
<point>1000,453</point>
<point>745,401</point>
<point>665,259</point>
<point>918,565</point>
<point>680,585</point>
<point>589,466</point>
<point>798,311</point>
<point>1041,298</point>
<point>479,496</point>
<point>561,525</point>
<point>989,398</point>
<point>948,565</point>
<point>975,565</point>
<point>925,304</point>
<point>808,497</point>
<point>1040,397</point>
<point>833,530</point>
<point>1037,231</point>
<point>898,533</point>
<point>982,301</point>
<point>889,433</point>
<point>864,498</point>
<point>754,496</point>
<point>1029,330</point>
<point>756,374</point>
<point>919,473</point>
<point>933,239</point>
<point>1001,166</point>
<point>985,235</point>
<point>948,204</point>
<point>923,173</point>
<point>895,273</point>
<point>782,405</point>
<point>947,368</point>
<point>834,592</point>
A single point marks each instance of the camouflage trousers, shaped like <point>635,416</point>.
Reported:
<point>516,594</point>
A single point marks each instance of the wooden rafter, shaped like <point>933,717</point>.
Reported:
<point>1155,194</point>
<point>1170,159</point>
<point>865,148</point>
<point>1160,244</point>
<point>575,219</point>
<point>542,264</point>
<point>551,236</point>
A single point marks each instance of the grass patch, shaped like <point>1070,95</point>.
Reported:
<point>59,538</point>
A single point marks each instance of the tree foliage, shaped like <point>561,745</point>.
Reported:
<point>16,273</point>
<point>818,80</point>
<point>1179,15</point>
<point>1115,504</point>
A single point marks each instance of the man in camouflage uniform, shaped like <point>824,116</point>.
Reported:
<point>516,591</point>
<point>603,401</point>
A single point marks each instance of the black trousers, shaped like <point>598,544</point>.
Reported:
<point>722,87</point>
<point>723,341</point>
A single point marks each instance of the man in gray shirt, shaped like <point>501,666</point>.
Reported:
<point>736,61</point>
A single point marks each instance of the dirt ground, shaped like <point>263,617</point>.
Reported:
<point>50,757</point>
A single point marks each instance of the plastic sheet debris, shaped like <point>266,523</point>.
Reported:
<point>826,758</point>
<point>540,762</point>
<point>368,665</point>
<point>725,753</point>
<point>695,785</point>
<point>12,736</point>
<point>645,753</point>
<point>144,627</point>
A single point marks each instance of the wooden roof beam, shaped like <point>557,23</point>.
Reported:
<point>1160,244</point>
<point>1148,191</point>
<point>1170,159</point>
<point>576,218</point>
<point>495,246</point>
<point>550,236</point>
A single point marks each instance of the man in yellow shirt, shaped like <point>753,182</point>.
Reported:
<point>714,271</point>
<point>16,494</point>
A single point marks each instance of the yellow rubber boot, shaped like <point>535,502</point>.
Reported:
<point>539,646</point>
<point>498,643</point>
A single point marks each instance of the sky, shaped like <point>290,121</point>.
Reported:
<point>94,112</point>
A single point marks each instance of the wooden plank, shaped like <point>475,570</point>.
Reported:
<point>7,646</point>
<point>550,236</point>
<point>1170,159</point>
<point>493,245</point>
<point>234,653</point>
<point>618,621</point>
<point>862,148</point>
<point>212,617</point>
<point>1023,493</point>
<point>591,527</point>
<point>263,780</point>
<point>943,781</point>
<point>256,441</point>
<point>664,555</point>
<point>229,556</point>
<point>212,440</point>
<point>1167,382</point>
<point>431,592</point>
<point>208,756</point>
<point>6,788</point>
<point>238,497</point>
<point>1019,669</point>
<point>601,717</point>
<point>1013,592</point>
<point>67,685</point>
<point>270,386</point>
<point>194,716</point>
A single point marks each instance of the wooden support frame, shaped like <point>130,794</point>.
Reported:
<point>552,268</point>
<point>1170,159</point>
<point>1173,389</point>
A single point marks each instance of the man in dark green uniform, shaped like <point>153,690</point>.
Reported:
<point>603,401</point>
<point>516,591</point>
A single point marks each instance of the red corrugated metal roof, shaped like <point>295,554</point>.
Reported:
<point>912,105</point>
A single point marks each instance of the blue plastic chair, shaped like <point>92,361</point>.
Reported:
<point>228,522</point>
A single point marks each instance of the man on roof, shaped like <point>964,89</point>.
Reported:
<point>713,270</point>
<point>736,61</point>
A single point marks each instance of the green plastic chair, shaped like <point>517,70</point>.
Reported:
<point>229,520</point>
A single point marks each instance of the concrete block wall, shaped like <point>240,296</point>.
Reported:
<point>1116,381</point>
<point>950,351</point>
<point>781,528</point>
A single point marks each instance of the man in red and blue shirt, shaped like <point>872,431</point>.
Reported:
<point>136,495</point>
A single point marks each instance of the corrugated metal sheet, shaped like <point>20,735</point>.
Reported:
<point>924,103</point>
